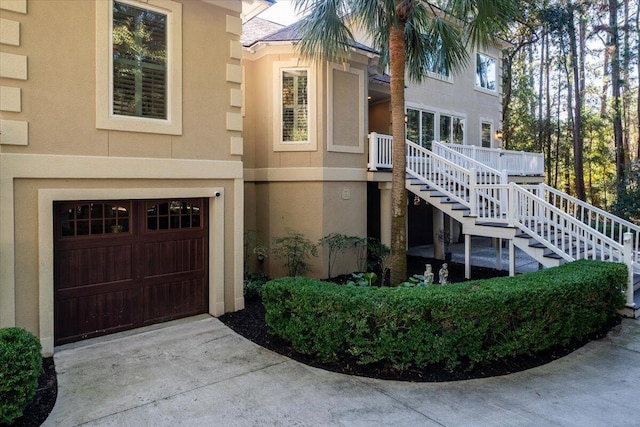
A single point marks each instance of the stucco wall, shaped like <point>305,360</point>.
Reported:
<point>459,96</point>
<point>59,96</point>
<point>66,157</point>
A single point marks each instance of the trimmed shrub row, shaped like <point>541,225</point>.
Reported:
<point>20,366</point>
<point>463,323</point>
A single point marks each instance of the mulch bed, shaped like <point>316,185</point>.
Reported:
<point>250,324</point>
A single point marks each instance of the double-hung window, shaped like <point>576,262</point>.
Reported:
<point>485,72</point>
<point>294,119</point>
<point>139,63</point>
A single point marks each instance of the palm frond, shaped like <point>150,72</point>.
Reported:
<point>325,35</point>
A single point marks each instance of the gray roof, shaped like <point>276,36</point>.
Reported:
<point>285,34</point>
<point>257,28</point>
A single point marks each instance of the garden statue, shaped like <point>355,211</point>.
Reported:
<point>428,275</point>
<point>443,274</point>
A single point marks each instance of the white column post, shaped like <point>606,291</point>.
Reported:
<point>373,151</point>
<point>511,213</point>
<point>467,256</point>
<point>628,259</point>
<point>472,192</point>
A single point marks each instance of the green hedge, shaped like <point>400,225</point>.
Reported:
<point>20,366</point>
<point>463,323</point>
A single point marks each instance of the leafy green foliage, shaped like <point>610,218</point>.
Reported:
<point>20,366</point>
<point>336,243</point>
<point>362,279</point>
<point>628,205</point>
<point>459,324</point>
<point>295,250</point>
<point>253,286</point>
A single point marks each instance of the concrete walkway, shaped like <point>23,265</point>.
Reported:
<point>199,372</point>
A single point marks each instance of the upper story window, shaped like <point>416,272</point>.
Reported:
<point>295,106</point>
<point>435,62</point>
<point>139,66</point>
<point>139,62</point>
<point>485,72</point>
<point>294,117</point>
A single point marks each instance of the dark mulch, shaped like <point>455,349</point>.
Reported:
<point>250,323</point>
<point>39,409</point>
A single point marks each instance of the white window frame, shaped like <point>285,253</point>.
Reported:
<point>437,112</point>
<point>495,76</point>
<point>311,144</point>
<point>359,149</point>
<point>491,131</point>
<point>105,119</point>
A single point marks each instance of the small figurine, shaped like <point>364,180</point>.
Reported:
<point>428,275</point>
<point>443,274</point>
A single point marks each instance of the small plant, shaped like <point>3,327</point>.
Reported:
<point>20,366</point>
<point>415,281</point>
<point>253,244</point>
<point>295,250</point>
<point>360,244</point>
<point>336,243</point>
<point>253,286</point>
<point>378,254</point>
<point>362,279</point>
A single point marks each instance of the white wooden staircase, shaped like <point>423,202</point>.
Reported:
<point>548,225</point>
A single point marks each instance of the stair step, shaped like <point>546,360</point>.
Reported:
<point>493,224</point>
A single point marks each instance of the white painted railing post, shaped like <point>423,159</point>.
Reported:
<point>511,214</point>
<point>628,259</point>
<point>499,165</point>
<point>473,180</point>
<point>373,151</point>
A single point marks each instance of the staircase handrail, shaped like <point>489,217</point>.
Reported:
<point>612,226</point>
<point>425,165</point>
<point>486,174</point>
<point>515,162</point>
<point>549,220</point>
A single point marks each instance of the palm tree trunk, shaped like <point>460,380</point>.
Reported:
<point>398,191</point>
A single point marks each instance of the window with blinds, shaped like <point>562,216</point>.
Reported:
<point>295,112</point>
<point>139,62</point>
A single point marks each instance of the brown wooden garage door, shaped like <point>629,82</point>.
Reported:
<point>121,264</point>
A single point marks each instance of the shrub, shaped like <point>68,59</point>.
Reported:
<point>458,324</point>
<point>20,366</point>
<point>295,250</point>
<point>253,286</point>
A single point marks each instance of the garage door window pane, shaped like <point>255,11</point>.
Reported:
<point>173,215</point>
<point>94,219</point>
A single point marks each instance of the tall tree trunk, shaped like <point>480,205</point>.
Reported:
<point>614,45</point>
<point>625,85</point>
<point>540,120</point>
<point>578,162</point>
<point>398,191</point>
<point>638,68</point>
<point>547,121</point>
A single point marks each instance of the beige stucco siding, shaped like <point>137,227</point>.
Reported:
<point>459,96</point>
<point>59,96</point>
<point>66,157</point>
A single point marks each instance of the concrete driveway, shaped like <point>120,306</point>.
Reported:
<point>199,372</point>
